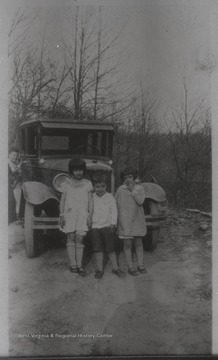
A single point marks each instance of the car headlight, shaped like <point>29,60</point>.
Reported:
<point>59,180</point>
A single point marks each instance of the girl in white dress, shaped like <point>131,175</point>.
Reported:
<point>76,208</point>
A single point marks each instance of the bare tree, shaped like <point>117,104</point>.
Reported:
<point>58,95</point>
<point>30,77</point>
<point>92,72</point>
<point>82,86</point>
<point>21,22</point>
<point>140,130</point>
<point>186,133</point>
<point>37,86</point>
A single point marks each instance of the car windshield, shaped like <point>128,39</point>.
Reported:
<point>73,141</point>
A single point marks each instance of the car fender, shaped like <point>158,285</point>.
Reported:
<point>37,193</point>
<point>154,192</point>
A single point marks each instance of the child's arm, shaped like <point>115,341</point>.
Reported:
<point>116,196</point>
<point>114,214</point>
<point>62,203</point>
<point>90,208</point>
<point>138,195</point>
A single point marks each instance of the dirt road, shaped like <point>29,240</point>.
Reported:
<point>167,311</point>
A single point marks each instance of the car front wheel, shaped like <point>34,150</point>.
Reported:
<point>29,233</point>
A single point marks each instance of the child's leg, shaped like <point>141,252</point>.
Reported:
<point>139,250</point>
<point>79,249</point>
<point>97,246</point>
<point>113,259</point>
<point>17,195</point>
<point>140,255</point>
<point>99,257</point>
<point>127,248</point>
<point>116,270</point>
<point>108,239</point>
<point>71,249</point>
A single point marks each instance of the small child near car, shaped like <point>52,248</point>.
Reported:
<point>131,219</point>
<point>15,182</point>
<point>76,209</point>
<point>104,223</point>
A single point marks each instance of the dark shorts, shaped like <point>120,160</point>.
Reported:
<point>102,240</point>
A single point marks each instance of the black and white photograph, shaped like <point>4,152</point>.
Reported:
<point>110,119</point>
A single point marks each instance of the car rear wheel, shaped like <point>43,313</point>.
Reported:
<point>29,233</point>
<point>151,239</point>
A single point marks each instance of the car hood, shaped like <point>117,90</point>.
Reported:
<point>62,165</point>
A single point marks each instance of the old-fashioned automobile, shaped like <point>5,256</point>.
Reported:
<point>46,146</point>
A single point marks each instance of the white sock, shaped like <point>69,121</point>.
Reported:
<point>79,254</point>
<point>72,254</point>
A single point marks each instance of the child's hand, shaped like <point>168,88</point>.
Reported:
<point>130,186</point>
<point>112,229</point>
<point>62,221</point>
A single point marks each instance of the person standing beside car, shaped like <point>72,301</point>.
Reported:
<point>76,209</point>
<point>131,219</point>
<point>14,184</point>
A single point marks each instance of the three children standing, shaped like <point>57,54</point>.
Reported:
<point>82,208</point>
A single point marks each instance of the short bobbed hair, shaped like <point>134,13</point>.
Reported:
<point>76,163</point>
<point>99,177</point>
<point>128,171</point>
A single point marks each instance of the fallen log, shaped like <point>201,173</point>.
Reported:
<point>200,212</point>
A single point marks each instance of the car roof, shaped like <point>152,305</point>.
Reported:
<point>69,124</point>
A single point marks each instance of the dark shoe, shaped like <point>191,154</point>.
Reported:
<point>82,272</point>
<point>142,269</point>
<point>132,271</point>
<point>99,274</point>
<point>73,269</point>
<point>119,272</point>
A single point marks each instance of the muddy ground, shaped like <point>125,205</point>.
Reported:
<point>168,311</point>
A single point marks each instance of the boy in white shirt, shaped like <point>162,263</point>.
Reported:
<point>104,223</point>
